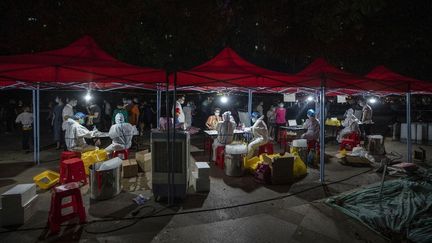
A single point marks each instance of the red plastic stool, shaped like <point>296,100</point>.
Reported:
<point>348,143</point>
<point>124,154</point>
<point>313,144</point>
<point>69,155</point>
<point>55,217</point>
<point>266,148</point>
<point>208,144</point>
<point>220,161</point>
<point>282,138</point>
<point>72,170</point>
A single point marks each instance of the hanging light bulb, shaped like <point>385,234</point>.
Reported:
<point>224,99</point>
<point>372,100</point>
<point>309,99</point>
<point>88,96</point>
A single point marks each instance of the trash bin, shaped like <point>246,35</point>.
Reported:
<point>234,154</point>
<point>105,182</point>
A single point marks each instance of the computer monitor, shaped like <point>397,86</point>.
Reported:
<point>292,123</point>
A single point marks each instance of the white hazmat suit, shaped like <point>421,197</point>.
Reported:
<point>121,134</point>
<point>313,129</point>
<point>75,136</point>
<point>225,131</point>
<point>350,125</point>
<point>260,136</point>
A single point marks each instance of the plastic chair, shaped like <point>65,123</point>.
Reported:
<point>349,142</point>
<point>220,161</point>
<point>266,148</point>
<point>69,155</point>
<point>124,154</point>
<point>72,170</point>
<point>56,218</point>
<point>208,144</point>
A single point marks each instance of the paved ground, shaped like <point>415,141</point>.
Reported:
<point>235,210</point>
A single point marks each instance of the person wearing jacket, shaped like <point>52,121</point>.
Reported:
<point>121,134</point>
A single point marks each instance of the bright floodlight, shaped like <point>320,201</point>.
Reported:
<point>372,100</point>
<point>224,99</point>
<point>88,97</point>
<point>309,98</point>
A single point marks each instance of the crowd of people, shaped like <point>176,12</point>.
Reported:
<point>142,115</point>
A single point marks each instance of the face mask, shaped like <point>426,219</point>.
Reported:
<point>254,120</point>
<point>81,121</point>
<point>217,113</point>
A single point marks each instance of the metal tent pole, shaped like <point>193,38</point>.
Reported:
<point>322,134</point>
<point>34,126</point>
<point>250,103</point>
<point>158,105</point>
<point>38,124</point>
<point>408,117</point>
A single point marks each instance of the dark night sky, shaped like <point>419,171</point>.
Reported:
<point>282,35</point>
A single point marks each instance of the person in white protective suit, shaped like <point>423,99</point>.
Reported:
<point>225,129</point>
<point>260,134</point>
<point>76,134</point>
<point>312,125</point>
<point>121,134</point>
<point>350,125</point>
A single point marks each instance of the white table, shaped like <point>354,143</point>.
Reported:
<point>214,133</point>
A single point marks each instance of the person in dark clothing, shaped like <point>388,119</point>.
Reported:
<point>57,121</point>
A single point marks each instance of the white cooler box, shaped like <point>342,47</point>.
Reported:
<point>18,204</point>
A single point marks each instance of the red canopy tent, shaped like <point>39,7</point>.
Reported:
<point>81,64</point>
<point>336,81</point>
<point>228,69</point>
<point>399,82</point>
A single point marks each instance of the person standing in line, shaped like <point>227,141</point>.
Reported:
<point>134,112</point>
<point>280,118</point>
<point>57,121</point>
<point>26,120</point>
<point>260,108</point>
<point>106,118</point>
<point>188,114</point>
<point>68,111</point>
<point>178,113</point>
<point>366,117</point>
<point>271,121</point>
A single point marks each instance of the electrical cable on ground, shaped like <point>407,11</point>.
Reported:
<point>155,214</point>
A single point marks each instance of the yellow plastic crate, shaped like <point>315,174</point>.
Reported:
<point>92,157</point>
<point>46,179</point>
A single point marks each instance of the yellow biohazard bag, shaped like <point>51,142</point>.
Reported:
<point>299,169</point>
<point>92,157</point>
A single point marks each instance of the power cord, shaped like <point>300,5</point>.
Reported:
<point>154,213</point>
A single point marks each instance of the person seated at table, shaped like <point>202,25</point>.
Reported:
<point>121,134</point>
<point>312,125</point>
<point>350,125</point>
<point>213,120</point>
<point>76,134</point>
<point>225,131</point>
<point>260,134</point>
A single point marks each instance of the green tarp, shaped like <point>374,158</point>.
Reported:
<point>405,208</point>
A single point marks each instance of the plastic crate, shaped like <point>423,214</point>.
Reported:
<point>46,179</point>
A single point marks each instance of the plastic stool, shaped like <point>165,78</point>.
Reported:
<point>348,143</point>
<point>72,170</point>
<point>55,217</point>
<point>313,144</point>
<point>282,138</point>
<point>124,154</point>
<point>266,148</point>
<point>220,161</point>
<point>208,144</point>
<point>69,155</point>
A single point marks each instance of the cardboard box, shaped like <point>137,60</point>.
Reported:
<point>140,156</point>
<point>203,170</point>
<point>130,168</point>
<point>200,184</point>
<point>282,168</point>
